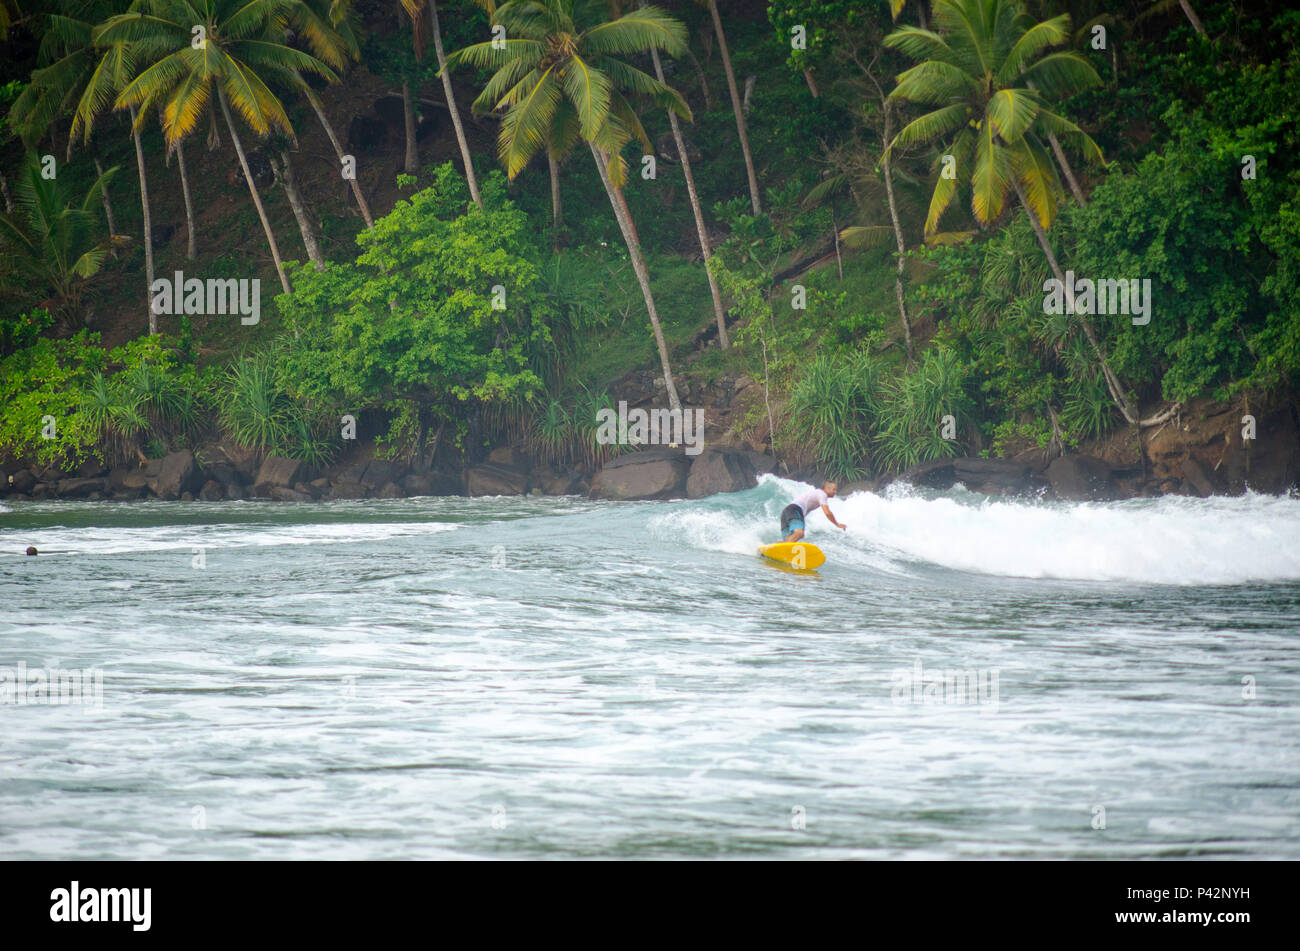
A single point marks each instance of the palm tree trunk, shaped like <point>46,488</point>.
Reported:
<point>812,83</point>
<point>4,190</point>
<point>887,168</point>
<point>412,162</point>
<point>700,229</point>
<point>338,151</point>
<point>451,107</point>
<point>252,190</point>
<point>1192,17</point>
<point>557,208</point>
<point>191,248</point>
<point>1112,382</point>
<point>638,265</point>
<point>736,107</point>
<point>1065,167</point>
<point>148,224</point>
<point>108,204</point>
<point>284,171</point>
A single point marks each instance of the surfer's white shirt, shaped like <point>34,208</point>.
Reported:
<point>812,500</point>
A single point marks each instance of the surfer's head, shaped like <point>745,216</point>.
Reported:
<point>830,488</point>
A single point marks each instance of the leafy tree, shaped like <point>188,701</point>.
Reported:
<point>52,241</point>
<point>559,76</point>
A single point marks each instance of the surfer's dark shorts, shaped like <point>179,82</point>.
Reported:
<point>791,519</point>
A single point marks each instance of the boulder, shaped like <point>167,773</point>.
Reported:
<point>278,471</point>
<point>569,483</point>
<point>391,491</point>
<point>21,481</point>
<point>285,494</point>
<point>380,472</point>
<point>81,488</point>
<point>649,474</point>
<point>989,476</point>
<point>719,471</point>
<point>187,496</point>
<point>347,490</point>
<point>53,474</point>
<point>507,457</point>
<point>124,494</point>
<point>212,491</point>
<point>494,480</point>
<point>309,489</point>
<point>1195,477</point>
<point>136,479</point>
<point>1082,478</point>
<point>91,469</point>
<point>177,474</point>
<point>226,474</point>
<point>234,492</point>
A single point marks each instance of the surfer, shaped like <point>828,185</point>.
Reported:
<point>793,515</point>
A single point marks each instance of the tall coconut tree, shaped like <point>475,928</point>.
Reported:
<point>560,77</point>
<point>701,229</point>
<point>327,29</point>
<point>240,52</point>
<point>77,75</point>
<point>736,106</point>
<point>417,10</point>
<point>986,71</point>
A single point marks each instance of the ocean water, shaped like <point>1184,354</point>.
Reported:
<point>565,678</point>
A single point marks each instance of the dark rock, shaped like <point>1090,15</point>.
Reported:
<point>309,489</point>
<point>347,490</point>
<point>177,474</point>
<point>352,472</point>
<point>1082,478</point>
<point>80,488</point>
<point>212,491</point>
<point>1195,476</point>
<point>53,474</point>
<point>508,457</point>
<point>278,471</point>
<point>761,461</point>
<point>391,491</point>
<point>380,472</point>
<point>226,474</point>
<point>91,469</point>
<point>650,474</point>
<point>152,468</point>
<point>234,492</point>
<point>717,471</point>
<point>367,134</point>
<point>989,476</point>
<point>187,496</point>
<point>43,490</point>
<point>161,234</point>
<point>284,494</point>
<point>494,480</point>
<point>570,483</point>
<point>124,494</point>
<point>21,481</point>
<point>244,460</point>
<point>135,479</point>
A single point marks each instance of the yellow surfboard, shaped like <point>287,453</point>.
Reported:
<point>803,555</point>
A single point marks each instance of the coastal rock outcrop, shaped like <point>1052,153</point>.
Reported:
<point>719,470</point>
<point>648,474</point>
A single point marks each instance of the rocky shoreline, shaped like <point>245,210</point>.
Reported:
<point>1200,454</point>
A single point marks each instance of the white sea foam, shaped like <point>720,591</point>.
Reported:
<point>1172,540</point>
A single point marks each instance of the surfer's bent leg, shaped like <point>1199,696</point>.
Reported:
<point>791,523</point>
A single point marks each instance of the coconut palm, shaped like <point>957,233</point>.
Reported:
<point>416,10</point>
<point>242,50</point>
<point>52,241</point>
<point>701,229</point>
<point>560,77</point>
<point>987,74</point>
<point>79,75</point>
<point>736,106</point>
<point>326,27</point>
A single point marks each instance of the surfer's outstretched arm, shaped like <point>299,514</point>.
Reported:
<point>826,510</point>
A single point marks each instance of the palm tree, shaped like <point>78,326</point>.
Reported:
<point>416,9</point>
<point>52,241</point>
<point>736,106</point>
<point>243,50</point>
<point>560,79</point>
<point>326,27</point>
<point>79,75</point>
<point>986,69</point>
<point>700,228</point>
